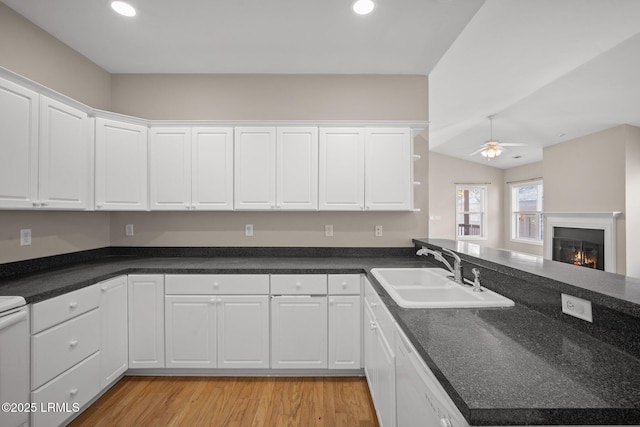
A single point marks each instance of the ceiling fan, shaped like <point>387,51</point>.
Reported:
<point>493,148</point>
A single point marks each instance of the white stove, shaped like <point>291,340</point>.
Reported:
<point>8,303</point>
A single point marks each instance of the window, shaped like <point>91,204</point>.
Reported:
<point>526,212</point>
<point>471,218</point>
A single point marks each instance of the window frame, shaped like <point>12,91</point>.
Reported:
<point>513,212</point>
<point>483,213</point>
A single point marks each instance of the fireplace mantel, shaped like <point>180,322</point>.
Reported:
<point>594,220</point>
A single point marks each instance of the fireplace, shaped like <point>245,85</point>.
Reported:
<point>582,238</point>
<point>579,246</point>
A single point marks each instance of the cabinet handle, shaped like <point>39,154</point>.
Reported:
<point>36,204</point>
<point>374,304</point>
<point>73,305</point>
<point>373,325</point>
<point>298,285</point>
<point>331,301</point>
<point>73,392</point>
<point>44,203</point>
<point>98,206</point>
<point>104,289</point>
<point>213,300</point>
<point>73,343</point>
<point>216,285</point>
<point>344,285</point>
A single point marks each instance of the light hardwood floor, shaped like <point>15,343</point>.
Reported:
<point>233,401</point>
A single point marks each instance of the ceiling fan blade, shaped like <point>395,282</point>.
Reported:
<point>477,151</point>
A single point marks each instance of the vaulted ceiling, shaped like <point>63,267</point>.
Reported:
<point>542,67</point>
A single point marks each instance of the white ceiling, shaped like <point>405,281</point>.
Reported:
<point>255,36</point>
<point>542,67</point>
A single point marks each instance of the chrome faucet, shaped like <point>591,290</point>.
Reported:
<point>476,280</point>
<point>457,262</point>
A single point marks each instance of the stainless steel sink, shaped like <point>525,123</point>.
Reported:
<point>432,288</point>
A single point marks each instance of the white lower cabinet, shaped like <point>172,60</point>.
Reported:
<point>207,328</point>
<point>243,331</point>
<point>114,336</point>
<point>146,321</point>
<point>190,328</point>
<point>299,332</point>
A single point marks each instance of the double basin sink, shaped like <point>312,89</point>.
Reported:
<point>433,288</point>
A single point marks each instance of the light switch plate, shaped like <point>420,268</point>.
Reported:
<point>378,231</point>
<point>248,230</point>
<point>577,307</point>
<point>128,230</point>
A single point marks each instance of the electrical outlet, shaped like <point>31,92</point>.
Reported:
<point>128,230</point>
<point>328,230</point>
<point>378,231</point>
<point>577,307</point>
<point>248,230</point>
<point>25,237</point>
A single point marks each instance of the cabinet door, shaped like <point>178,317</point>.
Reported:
<point>212,169</point>
<point>121,166</point>
<point>299,332</point>
<point>341,169</point>
<point>386,381</point>
<point>297,168</point>
<point>146,321</point>
<point>388,160</point>
<point>170,168</point>
<point>255,168</point>
<point>190,331</point>
<point>19,146</point>
<point>243,331</point>
<point>345,325</point>
<point>114,346</point>
<point>65,156</point>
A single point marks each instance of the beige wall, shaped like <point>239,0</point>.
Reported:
<point>632,211</point>
<point>52,233</point>
<point>521,173</point>
<point>271,97</point>
<point>588,174</point>
<point>28,50</point>
<point>444,172</point>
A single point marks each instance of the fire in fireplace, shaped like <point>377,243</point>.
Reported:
<point>579,246</point>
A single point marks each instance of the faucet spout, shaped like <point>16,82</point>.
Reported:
<point>457,266</point>
<point>456,270</point>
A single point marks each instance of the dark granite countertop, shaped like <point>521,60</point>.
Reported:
<point>511,366</point>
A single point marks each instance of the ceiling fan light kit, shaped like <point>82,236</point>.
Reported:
<point>493,148</point>
<point>491,151</point>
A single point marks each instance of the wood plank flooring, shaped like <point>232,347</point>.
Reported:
<point>233,401</point>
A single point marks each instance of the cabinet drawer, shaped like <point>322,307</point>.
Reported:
<point>344,284</point>
<point>299,284</point>
<point>59,348</point>
<point>64,307</point>
<point>382,315</point>
<point>219,284</point>
<point>72,389</point>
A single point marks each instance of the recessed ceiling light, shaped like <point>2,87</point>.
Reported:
<point>123,8</point>
<point>363,7</point>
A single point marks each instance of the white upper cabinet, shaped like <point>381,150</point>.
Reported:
<point>121,165</point>
<point>212,168</point>
<point>46,155</point>
<point>388,180</point>
<point>191,168</point>
<point>341,169</point>
<point>170,168</point>
<point>255,168</point>
<point>297,168</point>
<point>19,146</point>
<point>65,156</point>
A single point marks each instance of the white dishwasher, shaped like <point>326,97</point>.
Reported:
<point>14,362</point>
<point>420,399</point>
